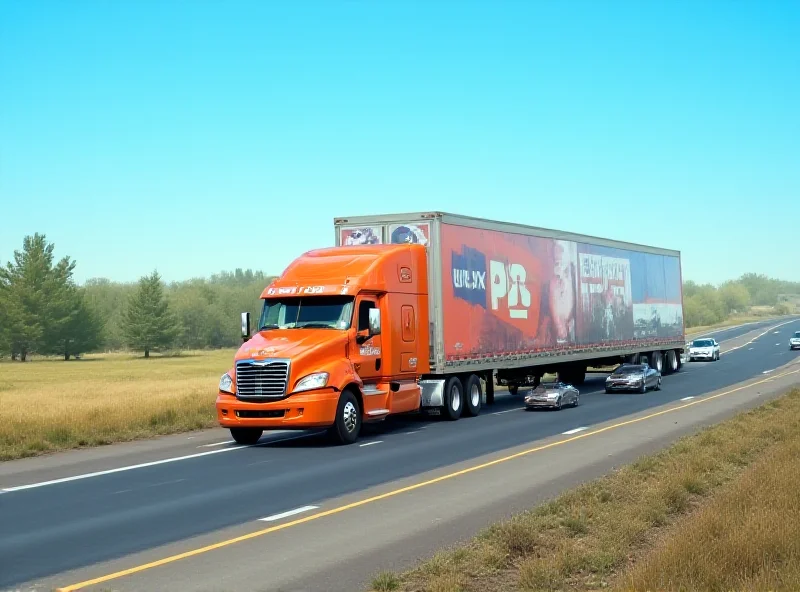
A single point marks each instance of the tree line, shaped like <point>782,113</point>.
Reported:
<point>705,304</point>
<point>43,311</point>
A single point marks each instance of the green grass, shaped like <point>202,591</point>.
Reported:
<point>722,498</point>
<point>48,405</point>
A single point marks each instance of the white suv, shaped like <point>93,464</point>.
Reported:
<point>794,341</point>
<point>704,349</point>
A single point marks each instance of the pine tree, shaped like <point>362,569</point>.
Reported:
<point>36,297</point>
<point>83,332</point>
<point>149,324</point>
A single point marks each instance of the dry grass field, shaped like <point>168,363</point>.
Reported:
<point>55,405</point>
<point>716,511</point>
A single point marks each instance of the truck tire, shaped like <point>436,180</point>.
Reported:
<point>246,436</point>
<point>657,361</point>
<point>453,398</point>
<point>513,389</point>
<point>672,362</point>
<point>473,396</point>
<point>347,425</point>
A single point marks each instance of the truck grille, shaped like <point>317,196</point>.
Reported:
<point>262,379</point>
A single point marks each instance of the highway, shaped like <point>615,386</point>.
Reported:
<point>308,508</point>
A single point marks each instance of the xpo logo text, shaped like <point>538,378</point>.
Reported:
<point>508,283</point>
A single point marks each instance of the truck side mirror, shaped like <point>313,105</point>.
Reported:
<point>245,326</point>
<point>374,321</point>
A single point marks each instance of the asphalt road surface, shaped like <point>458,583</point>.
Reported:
<point>89,514</point>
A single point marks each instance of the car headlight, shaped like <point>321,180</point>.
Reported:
<point>312,381</point>
<point>226,383</point>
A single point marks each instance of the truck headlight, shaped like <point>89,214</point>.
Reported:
<point>226,383</point>
<point>312,381</point>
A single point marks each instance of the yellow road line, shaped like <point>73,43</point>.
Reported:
<point>393,493</point>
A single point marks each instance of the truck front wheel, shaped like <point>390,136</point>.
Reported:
<point>247,436</point>
<point>347,425</point>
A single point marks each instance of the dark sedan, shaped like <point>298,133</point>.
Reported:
<point>553,395</point>
<point>634,377</point>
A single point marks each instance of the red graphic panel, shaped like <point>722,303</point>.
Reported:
<point>506,293</point>
<point>510,293</point>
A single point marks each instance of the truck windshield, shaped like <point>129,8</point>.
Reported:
<point>317,312</point>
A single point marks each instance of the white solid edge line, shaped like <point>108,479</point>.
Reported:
<point>143,465</point>
<point>217,444</point>
<point>574,431</point>
<point>371,443</point>
<point>687,398</point>
<point>287,514</point>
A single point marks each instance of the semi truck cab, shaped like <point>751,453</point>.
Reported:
<point>341,340</point>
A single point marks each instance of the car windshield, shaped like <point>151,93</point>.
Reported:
<point>548,385</point>
<point>702,343</point>
<point>797,334</point>
<point>628,368</point>
<point>317,312</point>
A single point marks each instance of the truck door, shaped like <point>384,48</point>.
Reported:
<point>367,355</point>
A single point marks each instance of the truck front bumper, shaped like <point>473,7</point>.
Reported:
<point>311,409</point>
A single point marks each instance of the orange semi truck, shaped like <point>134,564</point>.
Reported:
<point>428,311</point>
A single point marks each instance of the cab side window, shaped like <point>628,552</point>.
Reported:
<point>363,314</point>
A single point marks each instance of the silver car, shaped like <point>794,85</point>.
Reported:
<point>553,395</point>
<point>794,341</point>
<point>634,377</point>
<point>704,349</point>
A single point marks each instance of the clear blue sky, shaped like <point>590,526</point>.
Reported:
<point>198,136</point>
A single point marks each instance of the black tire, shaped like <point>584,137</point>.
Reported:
<point>246,436</point>
<point>513,389</point>
<point>453,398</point>
<point>657,361</point>
<point>559,407</point>
<point>577,401</point>
<point>643,388</point>
<point>608,391</point>
<point>473,396</point>
<point>658,384</point>
<point>347,424</point>
<point>671,361</point>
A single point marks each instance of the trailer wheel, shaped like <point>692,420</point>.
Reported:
<point>672,362</point>
<point>474,396</point>
<point>657,361</point>
<point>513,389</point>
<point>453,398</point>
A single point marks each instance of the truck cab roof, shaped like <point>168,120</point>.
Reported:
<point>351,269</point>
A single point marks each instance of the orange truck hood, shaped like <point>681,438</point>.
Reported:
<point>293,343</point>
